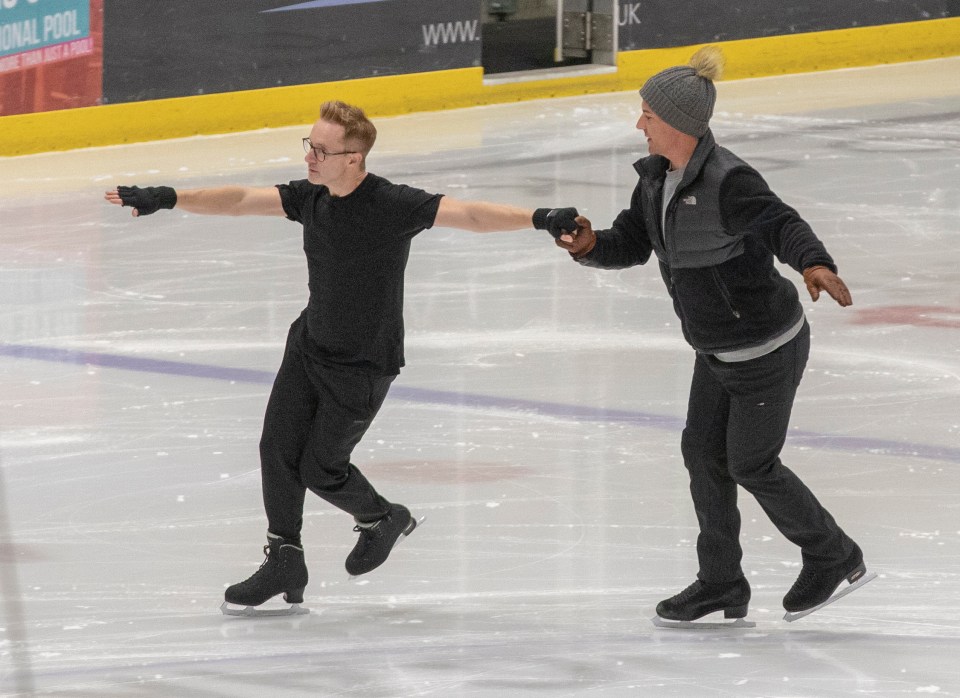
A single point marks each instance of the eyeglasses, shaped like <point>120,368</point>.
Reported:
<point>319,153</point>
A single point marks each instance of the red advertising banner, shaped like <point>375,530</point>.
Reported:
<point>51,55</point>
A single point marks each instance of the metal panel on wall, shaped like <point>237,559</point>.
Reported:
<point>178,48</point>
<point>665,23</point>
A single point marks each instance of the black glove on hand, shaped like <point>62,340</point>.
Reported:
<point>556,221</point>
<point>148,199</point>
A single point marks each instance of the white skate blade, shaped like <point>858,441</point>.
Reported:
<point>790,617</point>
<point>255,611</point>
<point>397,542</point>
<point>702,624</point>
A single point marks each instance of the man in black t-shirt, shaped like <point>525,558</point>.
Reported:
<point>345,349</point>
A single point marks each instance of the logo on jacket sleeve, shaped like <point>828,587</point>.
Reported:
<point>689,200</point>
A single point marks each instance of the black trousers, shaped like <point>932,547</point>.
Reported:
<point>737,421</point>
<point>315,417</point>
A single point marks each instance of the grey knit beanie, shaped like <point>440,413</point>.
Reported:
<point>684,95</point>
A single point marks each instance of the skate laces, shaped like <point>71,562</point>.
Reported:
<point>266,559</point>
<point>806,579</point>
<point>370,531</point>
<point>689,592</point>
<point>372,528</point>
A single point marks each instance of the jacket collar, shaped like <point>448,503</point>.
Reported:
<point>654,167</point>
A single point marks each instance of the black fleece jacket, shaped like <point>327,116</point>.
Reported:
<point>723,228</point>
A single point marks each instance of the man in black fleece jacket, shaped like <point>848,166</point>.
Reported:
<point>715,228</point>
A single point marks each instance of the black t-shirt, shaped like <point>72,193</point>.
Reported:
<point>357,248</point>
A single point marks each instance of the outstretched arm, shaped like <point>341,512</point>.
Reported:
<point>485,217</point>
<point>481,216</point>
<point>748,204</point>
<point>217,201</point>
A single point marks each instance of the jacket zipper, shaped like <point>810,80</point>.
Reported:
<point>723,292</point>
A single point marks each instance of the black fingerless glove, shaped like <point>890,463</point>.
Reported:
<point>556,221</point>
<point>148,200</point>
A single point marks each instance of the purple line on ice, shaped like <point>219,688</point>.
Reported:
<point>315,4</point>
<point>134,363</point>
<point>581,413</point>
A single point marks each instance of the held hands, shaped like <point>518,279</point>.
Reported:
<point>571,230</point>
<point>145,200</point>
<point>580,241</point>
<point>556,221</point>
<point>820,278</point>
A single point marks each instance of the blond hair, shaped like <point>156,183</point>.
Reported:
<point>358,131</point>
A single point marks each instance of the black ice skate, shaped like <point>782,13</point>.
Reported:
<point>377,539</point>
<point>700,599</point>
<point>817,587</point>
<point>282,572</point>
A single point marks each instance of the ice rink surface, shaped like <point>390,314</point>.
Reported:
<point>536,424</point>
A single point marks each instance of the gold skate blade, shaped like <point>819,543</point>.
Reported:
<point>837,595</point>
<point>702,624</point>
<point>255,611</point>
